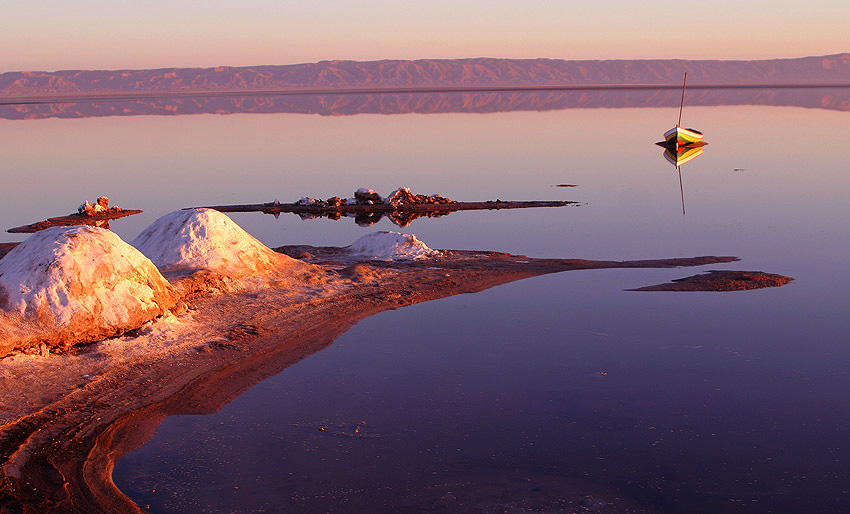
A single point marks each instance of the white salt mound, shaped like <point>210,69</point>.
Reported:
<point>392,246</point>
<point>77,284</point>
<point>205,239</point>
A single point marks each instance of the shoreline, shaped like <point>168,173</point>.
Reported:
<point>60,441</point>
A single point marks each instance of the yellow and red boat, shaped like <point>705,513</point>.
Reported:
<point>680,136</point>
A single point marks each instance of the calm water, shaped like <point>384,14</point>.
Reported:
<point>697,402</point>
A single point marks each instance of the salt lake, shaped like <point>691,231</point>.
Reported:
<point>532,391</point>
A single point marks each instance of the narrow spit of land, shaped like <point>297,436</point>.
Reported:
<point>98,214</point>
<point>400,214</point>
<point>66,419</point>
<point>94,220</point>
<point>272,208</point>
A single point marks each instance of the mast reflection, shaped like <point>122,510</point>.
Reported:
<point>679,155</point>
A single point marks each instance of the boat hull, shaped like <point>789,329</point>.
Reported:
<point>680,136</point>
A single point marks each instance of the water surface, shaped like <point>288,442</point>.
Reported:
<point>678,402</point>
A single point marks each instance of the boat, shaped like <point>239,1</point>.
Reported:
<point>678,135</point>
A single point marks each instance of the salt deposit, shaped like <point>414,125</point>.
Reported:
<point>392,246</point>
<point>74,284</point>
<point>205,239</point>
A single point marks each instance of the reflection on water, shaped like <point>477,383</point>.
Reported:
<point>703,403</point>
<point>679,155</point>
<point>433,103</point>
<point>682,154</point>
<point>367,219</point>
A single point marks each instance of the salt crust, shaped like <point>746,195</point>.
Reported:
<point>74,284</point>
<point>386,245</point>
<point>206,239</point>
<point>66,285</point>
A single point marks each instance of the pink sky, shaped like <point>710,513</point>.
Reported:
<point>95,34</point>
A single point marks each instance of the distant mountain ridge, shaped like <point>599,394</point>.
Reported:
<point>440,73</point>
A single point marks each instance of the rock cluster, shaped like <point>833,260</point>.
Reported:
<point>100,206</point>
<point>363,196</point>
<point>403,196</point>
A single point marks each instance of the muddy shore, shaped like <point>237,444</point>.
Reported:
<point>66,419</point>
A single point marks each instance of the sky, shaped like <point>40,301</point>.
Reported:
<point>49,35</point>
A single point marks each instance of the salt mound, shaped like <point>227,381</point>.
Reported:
<point>205,239</point>
<point>392,245</point>
<point>77,284</point>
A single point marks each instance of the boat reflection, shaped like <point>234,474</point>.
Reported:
<point>682,154</point>
<point>679,155</point>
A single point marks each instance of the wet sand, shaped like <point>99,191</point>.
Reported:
<point>6,248</point>
<point>66,419</point>
<point>721,281</point>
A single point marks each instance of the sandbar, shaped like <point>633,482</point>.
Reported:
<point>66,419</point>
<point>721,281</point>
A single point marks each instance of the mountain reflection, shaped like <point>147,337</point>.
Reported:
<point>341,104</point>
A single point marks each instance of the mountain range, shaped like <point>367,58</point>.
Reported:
<point>427,73</point>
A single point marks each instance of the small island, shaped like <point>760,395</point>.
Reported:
<point>367,207</point>
<point>97,214</point>
<point>721,280</point>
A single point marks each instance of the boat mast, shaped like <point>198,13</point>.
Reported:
<point>682,105</point>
